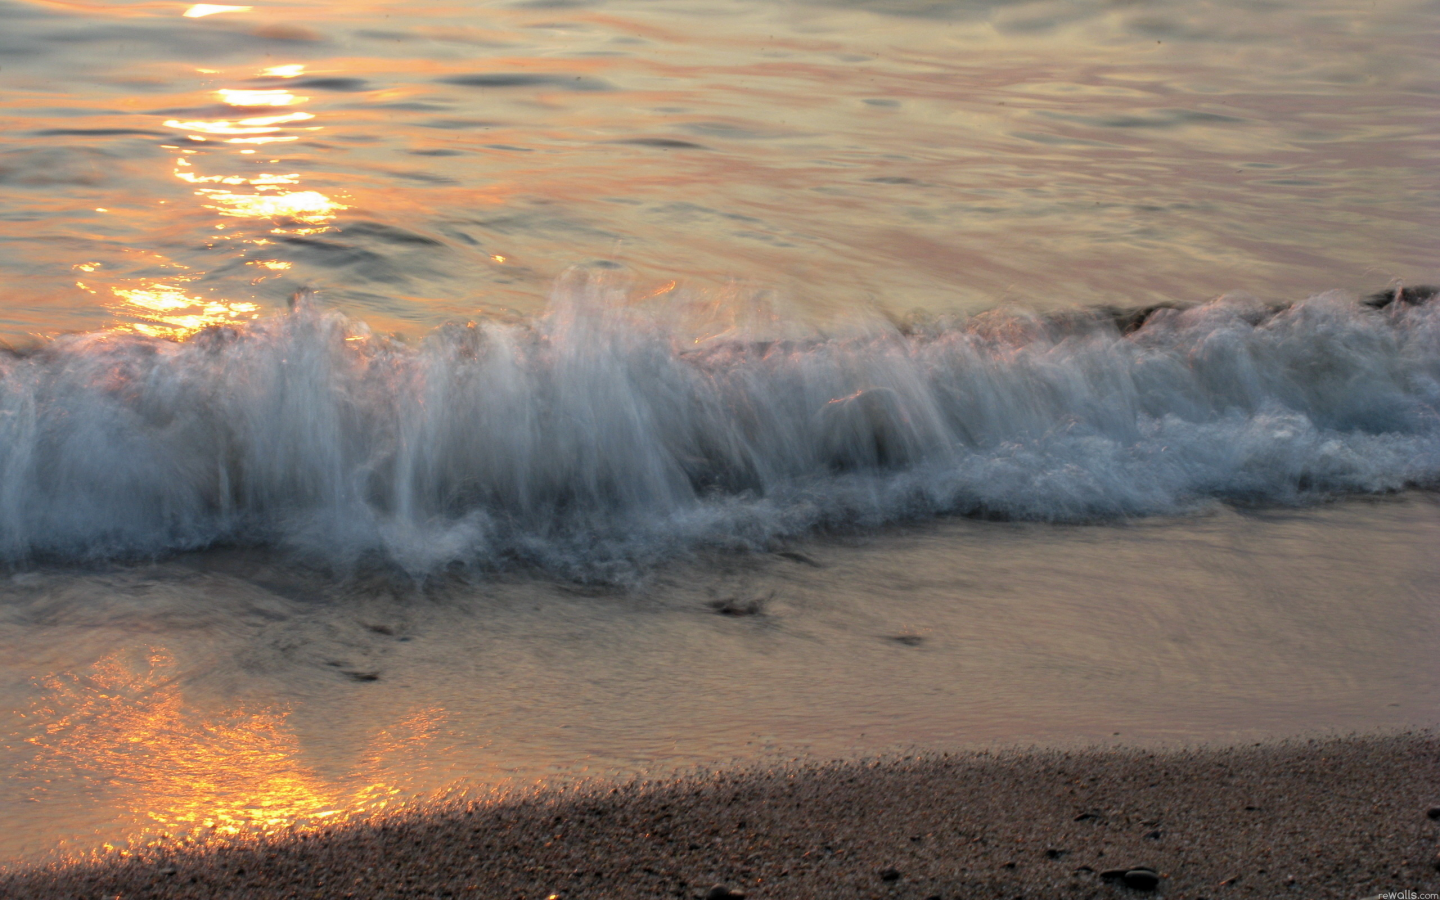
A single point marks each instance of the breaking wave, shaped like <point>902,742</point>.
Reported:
<point>591,441</point>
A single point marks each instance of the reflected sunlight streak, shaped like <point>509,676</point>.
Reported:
<point>125,724</point>
<point>256,125</point>
<point>200,10</point>
<point>259,98</point>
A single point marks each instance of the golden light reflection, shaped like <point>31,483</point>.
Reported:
<point>310,207</point>
<point>164,310</point>
<point>167,309</point>
<point>254,125</point>
<point>124,724</point>
<point>200,10</point>
<point>259,98</point>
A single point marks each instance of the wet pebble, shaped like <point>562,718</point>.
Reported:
<point>889,874</point>
<point>1433,813</point>
<point>1142,879</point>
<point>721,892</point>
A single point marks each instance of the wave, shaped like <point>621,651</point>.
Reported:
<point>592,441</point>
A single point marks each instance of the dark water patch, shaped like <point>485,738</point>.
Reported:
<point>437,151</point>
<point>407,105</point>
<point>528,79</point>
<point>509,147</point>
<point>378,35</point>
<point>881,101</point>
<point>341,85</point>
<point>388,234</point>
<point>1164,118</point>
<point>331,254</point>
<point>732,132</point>
<point>662,143</point>
<point>49,166</point>
<point>424,177</point>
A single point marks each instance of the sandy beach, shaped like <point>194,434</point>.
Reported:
<point>1336,817</point>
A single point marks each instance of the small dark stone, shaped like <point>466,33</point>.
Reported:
<point>1009,865</point>
<point>889,874</point>
<point>363,676</point>
<point>1053,853</point>
<point>1413,295</point>
<point>1089,816</point>
<point>734,606</point>
<point>1154,835</point>
<point>1433,813</point>
<point>1113,874</point>
<point>909,640</point>
<point>1252,809</point>
<point>1086,869</point>
<point>796,556</point>
<point>1142,879</point>
<point>721,892</point>
<point>168,870</point>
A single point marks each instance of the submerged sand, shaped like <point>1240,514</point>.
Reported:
<point>1340,817</point>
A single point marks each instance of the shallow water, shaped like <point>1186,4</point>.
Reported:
<point>223,689</point>
<point>423,163</point>
<point>643,352</point>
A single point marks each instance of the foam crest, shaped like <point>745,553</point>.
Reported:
<point>593,440</point>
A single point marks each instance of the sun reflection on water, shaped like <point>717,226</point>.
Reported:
<point>123,725</point>
<point>165,309</point>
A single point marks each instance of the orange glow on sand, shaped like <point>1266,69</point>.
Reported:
<point>125,723</point>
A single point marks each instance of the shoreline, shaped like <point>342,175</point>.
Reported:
<point>1320,818</point>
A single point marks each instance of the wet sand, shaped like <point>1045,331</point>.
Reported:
<point>1334,817</point>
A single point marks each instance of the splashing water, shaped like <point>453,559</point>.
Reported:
<point>595,439</point>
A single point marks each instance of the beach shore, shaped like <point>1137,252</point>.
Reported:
<point>1335,817</point>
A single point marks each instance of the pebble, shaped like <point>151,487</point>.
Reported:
<point>889,874</point>
<point>721,892</point>
<point>1433,813</point>
<point>1142,879</point>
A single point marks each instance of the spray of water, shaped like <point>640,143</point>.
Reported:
<point>593,440</point>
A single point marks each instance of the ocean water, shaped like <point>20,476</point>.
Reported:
<point>397,399</point>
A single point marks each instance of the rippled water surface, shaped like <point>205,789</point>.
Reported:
<point>463,514</point>
<point>167,166</point>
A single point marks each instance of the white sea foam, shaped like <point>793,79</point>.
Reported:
<point>593,440</point>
